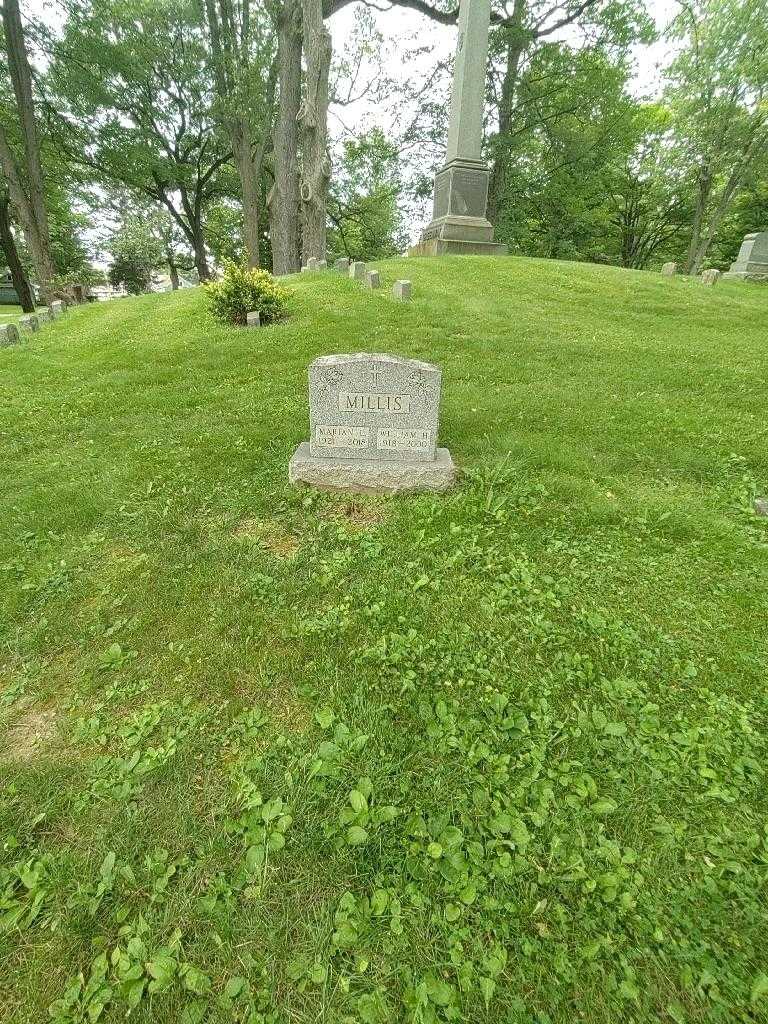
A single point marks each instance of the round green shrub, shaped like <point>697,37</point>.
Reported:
<point>242,290</point>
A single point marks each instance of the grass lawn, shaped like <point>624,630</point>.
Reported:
<point>496,757</point>
<point>10,313</point>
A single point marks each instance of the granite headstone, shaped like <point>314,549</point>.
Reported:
<point>373,426</point>
<point>752,262</point>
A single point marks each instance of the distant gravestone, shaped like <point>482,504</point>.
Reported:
<point>357,271</point>
<point>710,277</point>
<point>669,269</point>
<point>322,264</point>
<point>373,426</point>
<point>57,309</point>
<point>253,319</point>
<point>306,270</point>
<point>31,322</point>
<point>313,263</point>
<point>373,279</point>
<point>402,291</point>
<point>9,335</point>
<point>342,264</point>
<point>761,506</point>
<point>752,262</point>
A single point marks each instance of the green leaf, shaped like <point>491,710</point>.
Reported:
<point>195,980</point>
<point>356,836</point>
<point>276,841</point>
<point>358,801</point>
<point>435,851</point>
<point>254,859</point>
<point>379,902</point>
<point>759,988</point>
<point>487,987</point>
<point>234,987</point>
<point>629,990</point>
<point>439,991</point>
<point>602,807</point>
<point>325,718</point>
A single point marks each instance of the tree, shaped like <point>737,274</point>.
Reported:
<point>139,107</point>
<point>284,198</point>
<point>11,253</point>
<point>749,213</point>
<point>364,201</point>
<point>648,198</point>
<point>25,183</point>
<point>136,252</point>
<point>244,75</point>
<point>313,119</point>
<point>718,94</point>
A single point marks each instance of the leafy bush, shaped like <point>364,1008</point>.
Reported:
<point>243,290</point>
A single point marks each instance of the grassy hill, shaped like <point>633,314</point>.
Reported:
<point>274,756</point>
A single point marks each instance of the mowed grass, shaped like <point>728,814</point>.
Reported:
<point>495,756</point>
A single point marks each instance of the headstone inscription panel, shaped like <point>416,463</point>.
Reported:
<point>374,407</point>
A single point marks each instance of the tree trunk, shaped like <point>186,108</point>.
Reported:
<point>201,257</point>
<point>284,198</point>
<point>173,271</point>
<point>731,188</point>
<point>34,216</point>
<point>702,198</point>
<point>249,187</point>
<point>313,118</point>
<point>8,247</point>
<point>501,160</point>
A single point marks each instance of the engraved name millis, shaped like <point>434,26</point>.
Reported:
<point>359,401</point>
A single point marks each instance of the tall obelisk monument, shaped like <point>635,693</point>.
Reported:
<point>459,223</point>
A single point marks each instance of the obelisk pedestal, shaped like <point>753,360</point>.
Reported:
<point>752,262</point>
<point>459,223</point>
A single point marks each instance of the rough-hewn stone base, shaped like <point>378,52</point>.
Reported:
<point>746,275</point>
<point>368,477</point>
<point>453,247</point>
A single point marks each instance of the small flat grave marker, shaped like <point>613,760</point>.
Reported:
<point>57,309</point>
<point>761,506</point>
<point>710,277</point>
<point>402,291</point>
<point>373,426</point>
<point>342,265</point>
<point>253,319</point>
<point>357,271</point>
<point>669,269</point>
<point>30,322</point>
<point>9,335</point>
<point>373,279</point>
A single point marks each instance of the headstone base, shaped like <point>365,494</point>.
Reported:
<point>371,477</point>
<point>454,247</point>
<point>459,222</point>
<point>756,274</point>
